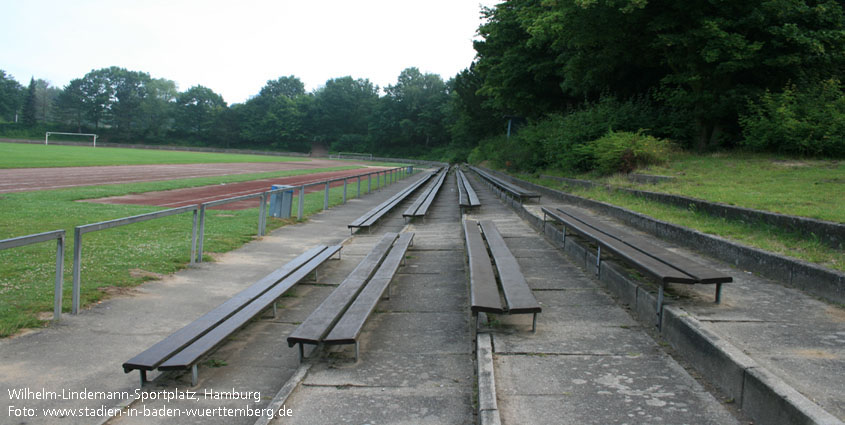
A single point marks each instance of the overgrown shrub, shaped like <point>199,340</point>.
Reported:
<point>562,141</point>
<point>623,152</point>
<point>805,122</point>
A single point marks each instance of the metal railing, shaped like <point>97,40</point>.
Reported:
<point>198,229</point>
<point>391,175</point>
<point>78,231</point>
<point>59,236</point>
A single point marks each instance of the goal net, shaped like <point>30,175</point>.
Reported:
<point>352,155</point>
<point>49,133</point>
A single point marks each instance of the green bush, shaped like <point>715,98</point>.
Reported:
<point>623,152</point>
<point>805,122</point>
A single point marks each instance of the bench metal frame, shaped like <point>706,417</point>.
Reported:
<point>318,327</point>
<point>685,277</point>
<point>518,295</point>
<point>184,348</point>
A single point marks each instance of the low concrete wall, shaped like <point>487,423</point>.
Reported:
<point>828,232</point>
<point>811,278</point>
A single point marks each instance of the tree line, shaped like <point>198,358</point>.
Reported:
<point>556,74</point>
<point>345,114</point>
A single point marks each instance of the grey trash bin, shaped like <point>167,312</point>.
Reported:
<point>281,202</point>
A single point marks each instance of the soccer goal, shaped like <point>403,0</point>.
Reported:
<point>47,136</point>
<point>352,155</point>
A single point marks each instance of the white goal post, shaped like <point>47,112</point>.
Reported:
<point>352,155</point>
<point>47,136</point>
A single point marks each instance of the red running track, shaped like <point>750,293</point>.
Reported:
<point>197,195</point>
<point>30,179</point>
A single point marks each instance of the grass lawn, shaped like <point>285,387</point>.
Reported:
<point>810,188</point>
<point>802,187</point>
<point>21,155</point>
<point>119,257</point>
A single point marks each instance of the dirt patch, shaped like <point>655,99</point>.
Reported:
<point>790,163</point>
<point>145,275</point>
<point>111,291</point>
<point>816,354</point>
<point>836,313</point>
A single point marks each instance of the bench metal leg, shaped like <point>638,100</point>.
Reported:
<point>660,306</point>
<point>598,261</point>
<point>356,352</point>
<point>275,309</point>
<point>143,377</point>
<point>718,293</point>
<point>194,377</point>
<point>301,352</point>
<point>534,324</point>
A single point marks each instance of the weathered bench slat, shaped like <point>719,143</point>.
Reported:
<point>463,198</point>
<point>484,293</point>
<point>321,320</point>
<point>518,295</point>
<point>466,196</point>
<point>473,197</point>
<point>429,198</point>
<point>506,186</point>
<point>161,351</point>
<point>188,356</point>
<point>411,211</point>
<point>648,264</point>
<point>348,328</point>
<point>370,217</point>
<point>698,271</point>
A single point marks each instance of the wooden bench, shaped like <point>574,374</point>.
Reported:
<point>484,290</point>
<point>420,206</point>
<point>658,263</point>
<point>514,191</point>
<point>184,348</point>
<point>370,217</point>
<point>340,318</point>
<point>467,198</point>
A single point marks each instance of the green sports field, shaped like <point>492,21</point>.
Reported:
<point>120,257</point>
<point>22,155</point>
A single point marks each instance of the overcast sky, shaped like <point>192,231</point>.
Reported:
<point>234,47</point>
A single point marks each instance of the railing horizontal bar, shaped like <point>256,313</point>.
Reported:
<point>30,239</point>
<point>233,199</point>
<point>134,219</point>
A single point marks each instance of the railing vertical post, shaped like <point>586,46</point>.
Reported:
<point>201,233</point>
<point>261,213</point>
<point>194,238</point>
<point>77,259</point>
<point>301,202</point>
<point>359,187</point>
<point>370,183</point>
<point>60,261</point>
<point>326,197</point>
<point>344,189</point>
